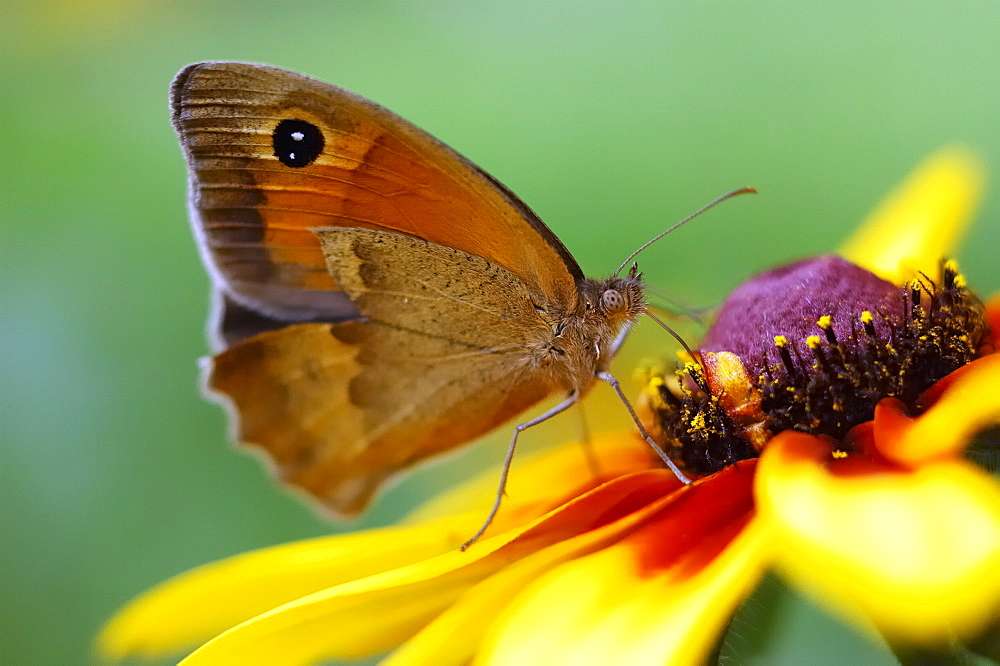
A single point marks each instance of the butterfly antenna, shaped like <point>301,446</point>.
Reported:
<point>728,195</point>
<point>671,306</point>
<point>674,333</point>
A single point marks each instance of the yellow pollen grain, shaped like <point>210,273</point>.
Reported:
<point>780,341</point>
<point>960,281</point>
<point>825,322</point>
<point>839,454</point>
<point>867,317</point>
<point>951,265</point>
<point>813,341</point>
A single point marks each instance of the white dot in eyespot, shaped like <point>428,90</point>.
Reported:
<point>298,136</point>
<point>291,156</point>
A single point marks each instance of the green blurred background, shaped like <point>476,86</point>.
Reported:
<point>611,119</point>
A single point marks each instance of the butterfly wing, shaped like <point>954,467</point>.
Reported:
<point>255,196</point>
<point>278,162</point>
<point>442,357</point>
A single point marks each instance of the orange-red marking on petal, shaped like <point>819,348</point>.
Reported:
<point>661,595</point>
<point>701,521</point>
<point>993,319</point>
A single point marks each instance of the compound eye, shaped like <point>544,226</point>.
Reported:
<point>612,301</point>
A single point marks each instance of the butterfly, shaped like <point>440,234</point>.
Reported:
<point>378,298</point>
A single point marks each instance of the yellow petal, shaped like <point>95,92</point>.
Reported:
<point>970,403</point>
<point>922,220</point>
<point>540,482</point>
<point>916,552</point>
<point>187,610</point>
<point>378,613</point>
<point>454,636</point>
<point>231,591</point>
<point>661,595</point>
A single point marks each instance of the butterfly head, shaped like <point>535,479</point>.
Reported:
<point>619,300</point>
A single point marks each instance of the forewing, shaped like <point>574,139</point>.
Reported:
<point>253,212</point>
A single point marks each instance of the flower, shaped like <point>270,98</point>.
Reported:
<point>872,509</point>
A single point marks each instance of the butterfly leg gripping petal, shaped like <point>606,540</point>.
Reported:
<point>518,429</point>
<point>607,377</point>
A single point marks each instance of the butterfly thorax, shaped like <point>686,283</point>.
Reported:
<point>582,340</point>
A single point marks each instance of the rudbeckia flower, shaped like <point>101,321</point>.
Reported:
<point>824,419</point>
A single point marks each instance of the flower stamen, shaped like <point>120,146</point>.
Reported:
<point>897,344</point>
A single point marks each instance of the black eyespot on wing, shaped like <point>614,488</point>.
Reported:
<point>297,143</point>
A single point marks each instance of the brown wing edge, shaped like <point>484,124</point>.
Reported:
<point>343,506</point>
<point>342,500</point>
<point>235,316</point>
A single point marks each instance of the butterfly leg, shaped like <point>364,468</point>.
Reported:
<point>587,444</point>
<point>518,429</point>
<point>605,376</point>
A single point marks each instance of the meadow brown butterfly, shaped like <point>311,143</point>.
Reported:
<point>379,299</point>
